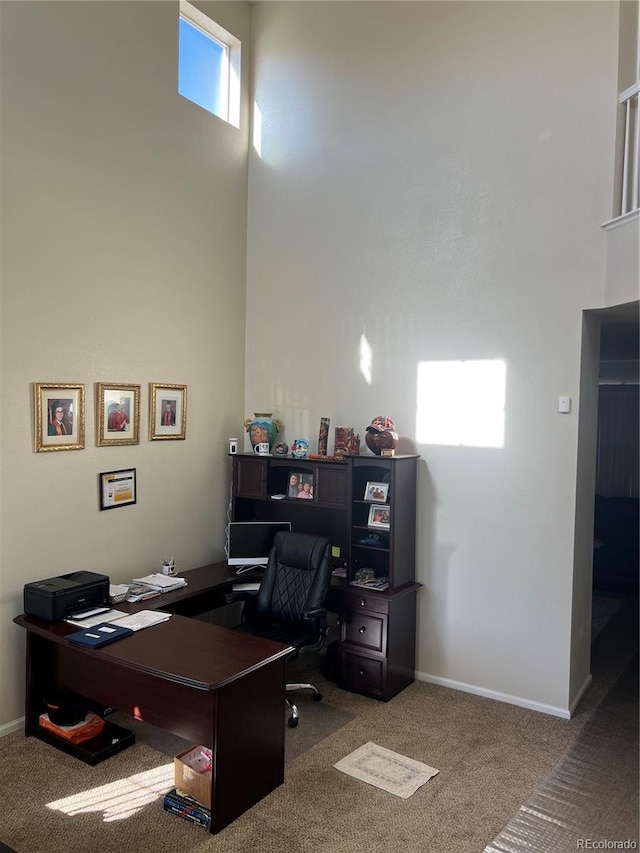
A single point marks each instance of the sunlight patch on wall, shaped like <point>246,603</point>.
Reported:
<point>366,359</point>
<point>121,799</point>
<point>461,403</point>
<point>257,129</point>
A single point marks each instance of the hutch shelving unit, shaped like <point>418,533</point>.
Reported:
<point>377,627</point>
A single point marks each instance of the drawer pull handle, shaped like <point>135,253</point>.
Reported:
<point>362,672</point>
<point>362,630</point>
<point>363,602</point>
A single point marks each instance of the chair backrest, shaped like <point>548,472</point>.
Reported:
<point>296,579</point>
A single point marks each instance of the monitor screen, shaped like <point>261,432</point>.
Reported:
<point>251,541</point>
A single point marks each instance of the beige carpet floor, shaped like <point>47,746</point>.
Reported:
<point>492,757</point>
<point>579,801</point>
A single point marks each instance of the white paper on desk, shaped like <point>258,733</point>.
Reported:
<point>91,621</point>
<point>143,619</point>
<point>165,583</point>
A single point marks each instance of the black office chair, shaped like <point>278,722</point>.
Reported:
<point>290,605</point>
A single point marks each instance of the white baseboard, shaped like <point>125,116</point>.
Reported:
<point>565,713</point>
<point>14,726</point>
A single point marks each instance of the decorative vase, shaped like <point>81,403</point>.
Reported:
<point>379,441</point>
<point>262,429</point>
<point>381,435</point>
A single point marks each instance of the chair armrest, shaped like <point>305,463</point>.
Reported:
<point>318,624</point>
<point>315,613</point>
<point>317,621</point>
<point>247,598</point>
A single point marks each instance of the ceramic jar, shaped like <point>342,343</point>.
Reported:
<point>262,429</point>
<point>379,441</point>
<point>381,435</point>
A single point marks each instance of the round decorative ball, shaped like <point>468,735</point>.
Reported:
<point>379,441</point>
<point>300,448</point>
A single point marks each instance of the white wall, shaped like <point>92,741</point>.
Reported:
<point>123,223</point>
<point>432,174</point>
<point>435,175</point>
<point>622,274</point>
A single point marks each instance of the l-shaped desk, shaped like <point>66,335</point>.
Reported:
<point>210,685</point>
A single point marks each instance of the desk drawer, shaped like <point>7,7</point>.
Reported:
<point>365,601</point>
<point>366,630</point>
<point>360,674</point>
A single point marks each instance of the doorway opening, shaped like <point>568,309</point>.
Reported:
<point>616,553</point>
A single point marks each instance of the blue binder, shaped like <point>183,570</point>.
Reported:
<point>99,635</point>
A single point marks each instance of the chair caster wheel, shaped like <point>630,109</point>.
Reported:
<point>317,697</point>
<point>292,722</point>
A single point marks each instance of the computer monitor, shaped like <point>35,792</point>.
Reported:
<point>250,541</point>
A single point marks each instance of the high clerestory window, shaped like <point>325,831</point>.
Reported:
<point>208,64</point>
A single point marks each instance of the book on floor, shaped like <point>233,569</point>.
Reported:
<point>182,805</point>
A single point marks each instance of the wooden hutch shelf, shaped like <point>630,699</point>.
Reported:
<point>377,639</point>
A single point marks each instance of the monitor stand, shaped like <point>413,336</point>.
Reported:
<point>242,569</point>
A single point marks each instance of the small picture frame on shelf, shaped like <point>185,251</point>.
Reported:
<point>380,517</point>
<point>300,486</point>
<point>376,492</point>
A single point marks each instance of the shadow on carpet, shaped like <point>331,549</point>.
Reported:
<point>318,720</point>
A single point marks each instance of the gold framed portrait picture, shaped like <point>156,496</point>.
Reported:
<point>59,416</point>
<point>117,414</point>
<point>167,411</point>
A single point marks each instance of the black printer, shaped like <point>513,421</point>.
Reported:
<point>56,598</point>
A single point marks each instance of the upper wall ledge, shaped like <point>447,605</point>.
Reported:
<point>621,220</point>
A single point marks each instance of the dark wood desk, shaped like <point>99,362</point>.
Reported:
<point>205,590</point>
<point>208,684</point>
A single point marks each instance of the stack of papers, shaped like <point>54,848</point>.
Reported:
<point>142,619</point>
<point>133,621</point>
<point>140,592</point>
<point>377,583</point>
<point>96,619</point>
<point>162,583</point>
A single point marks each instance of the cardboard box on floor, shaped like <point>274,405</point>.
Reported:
<point>188,766</point>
